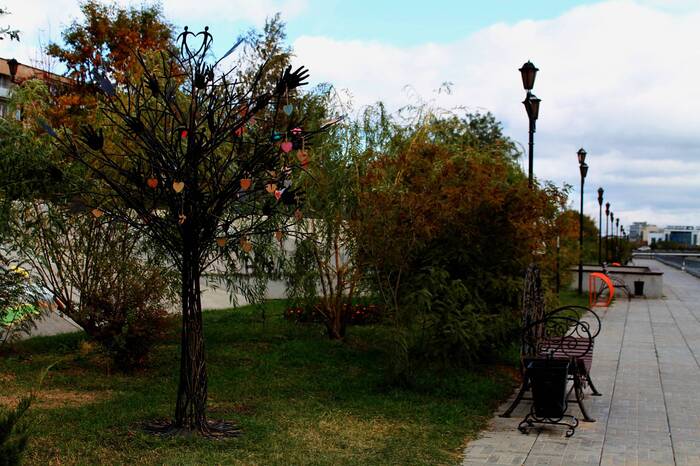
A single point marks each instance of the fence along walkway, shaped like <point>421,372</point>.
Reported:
<point>647,366</point>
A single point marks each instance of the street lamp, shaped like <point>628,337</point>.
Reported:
<point>528,72</point>
<point>623,239</point>
<point>612,233</point>
<point>617,239</point>
<point>607,240</point>
<point>600,224</point>
<point>583,169</point>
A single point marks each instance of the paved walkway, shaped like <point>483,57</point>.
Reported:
<point>647,365</point>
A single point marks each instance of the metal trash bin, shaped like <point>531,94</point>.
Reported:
<point>548,378</point>
<point>639,288</point>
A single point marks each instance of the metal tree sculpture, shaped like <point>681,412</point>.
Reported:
<point>201,161</point>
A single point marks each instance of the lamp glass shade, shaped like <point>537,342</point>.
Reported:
<point>532,106</point>
<point>584,170</point>
<point>528,72</point>
<point>581,155</point>
<point>600,196</point>
<point>607,208</point>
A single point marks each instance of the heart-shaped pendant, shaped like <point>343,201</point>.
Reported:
<point>271,188</point>
<point>97,213</point>
<point>288,109</point>
<point>278,194</point>
<point>152,183</point>
<point>286,146</point>
<point>246,245</point>
<point>178,186</point>
<point>183,133</point>
<point>245,183</point>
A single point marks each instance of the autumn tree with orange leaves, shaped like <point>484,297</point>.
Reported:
<point>106,38</point>
<point>446,228</point>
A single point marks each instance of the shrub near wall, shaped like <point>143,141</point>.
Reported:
<point>447,226</point>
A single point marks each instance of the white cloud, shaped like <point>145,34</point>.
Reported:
<point>41,21</point>
<point>618,78</point>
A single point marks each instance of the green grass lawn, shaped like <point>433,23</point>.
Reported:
<point>568,297</point>
<point>298,397</point>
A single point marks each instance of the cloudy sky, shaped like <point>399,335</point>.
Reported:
<point>619,78</point>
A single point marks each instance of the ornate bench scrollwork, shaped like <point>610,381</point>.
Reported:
<point>564,334</point>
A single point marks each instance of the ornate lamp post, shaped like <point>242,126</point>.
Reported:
<point>617,239</point>
<point>612,240</point>
<point>607,214</point>
<point>583,169</point>
<point>532,106</point>
<point>623,239</point>
<point>600,224</point>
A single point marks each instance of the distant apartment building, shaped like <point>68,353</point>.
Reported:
<point>682,234</point>
<point>13,73</point>
<point>635,231</point>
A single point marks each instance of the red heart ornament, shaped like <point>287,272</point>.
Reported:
<point>278,194</point>
<point>152,183</point>
<point>245,183</point>
<point>286,146</point>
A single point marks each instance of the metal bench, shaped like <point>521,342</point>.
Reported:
<point>567,333</point>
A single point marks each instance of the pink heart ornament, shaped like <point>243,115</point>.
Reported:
<point>286,146</point>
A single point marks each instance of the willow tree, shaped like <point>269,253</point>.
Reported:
<point>203,162</point>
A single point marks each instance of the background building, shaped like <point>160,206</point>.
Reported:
<point>12,73</point>
<point>635,230</point>
<point>681,234</point>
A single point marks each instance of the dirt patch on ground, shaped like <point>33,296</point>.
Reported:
<point>7,378</point>
<point>226,407</point>
<point>52,399</point>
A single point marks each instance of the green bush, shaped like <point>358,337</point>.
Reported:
<point>128,317</point>
<point>14,434</point>
<point>18,308</point>
<point>108,279</point>
<point>451,322</point>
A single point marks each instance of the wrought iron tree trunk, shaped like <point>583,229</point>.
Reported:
<point>190,409</point>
